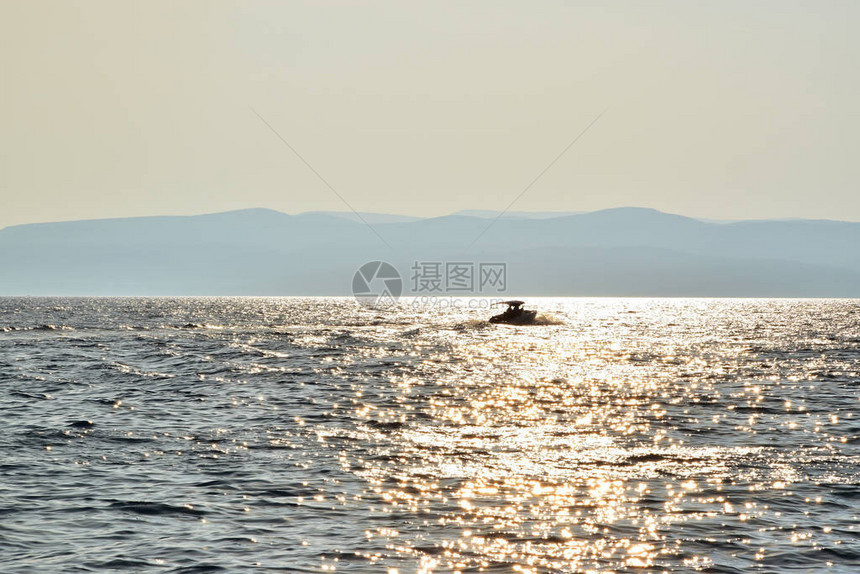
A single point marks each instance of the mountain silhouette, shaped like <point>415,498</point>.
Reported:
<point>618,252</point>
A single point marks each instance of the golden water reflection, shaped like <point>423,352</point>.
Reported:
<point>655,441</point>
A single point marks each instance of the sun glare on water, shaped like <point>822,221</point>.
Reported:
<point>631,434</point>
<point>592,445</point>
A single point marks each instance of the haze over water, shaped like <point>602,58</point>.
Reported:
<point>300,434</point>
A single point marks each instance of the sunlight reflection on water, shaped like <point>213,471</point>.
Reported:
<point>609,442</point>
<point>635,434</point>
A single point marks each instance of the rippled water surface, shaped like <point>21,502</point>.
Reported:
<point>241,434</point>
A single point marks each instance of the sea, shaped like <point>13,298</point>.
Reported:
<point>184,435</point>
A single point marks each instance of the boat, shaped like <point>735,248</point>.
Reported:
<point>514,314</point>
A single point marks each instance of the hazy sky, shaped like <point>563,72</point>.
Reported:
<point>714,109</point>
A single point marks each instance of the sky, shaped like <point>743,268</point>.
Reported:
<point>720,110</point>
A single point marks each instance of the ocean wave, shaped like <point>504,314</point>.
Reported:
<point>43,327</point>
<point>235,431</point>
<point>155,508</point>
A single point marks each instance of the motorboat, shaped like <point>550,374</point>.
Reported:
<point>514,314</point>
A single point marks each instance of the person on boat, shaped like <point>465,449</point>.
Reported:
<point>514,310</point>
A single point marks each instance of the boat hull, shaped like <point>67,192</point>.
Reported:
<point>523,318</point>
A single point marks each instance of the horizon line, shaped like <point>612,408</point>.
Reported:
<point>348,215</point>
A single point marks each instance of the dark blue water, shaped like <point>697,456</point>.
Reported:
<point>307,435</point>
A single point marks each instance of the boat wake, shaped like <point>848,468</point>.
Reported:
<point>546,319</point>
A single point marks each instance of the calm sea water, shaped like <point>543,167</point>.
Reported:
<point>305,435</point>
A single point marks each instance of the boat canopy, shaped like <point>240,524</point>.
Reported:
<point>513,303</point>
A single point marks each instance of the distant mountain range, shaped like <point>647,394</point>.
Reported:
<point>615,252</point>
